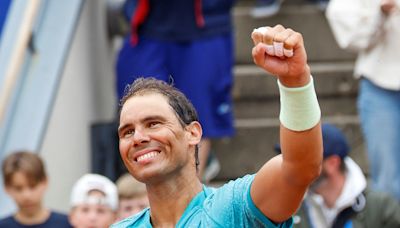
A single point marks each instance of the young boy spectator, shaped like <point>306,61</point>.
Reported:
<point>94,201</point>
<point>132,196</point>
<point>25,180</point>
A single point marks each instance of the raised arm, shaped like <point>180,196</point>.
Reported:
<point>280,184</point>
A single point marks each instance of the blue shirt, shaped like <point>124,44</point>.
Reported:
<point>57,220</point>
<point>227,206</point>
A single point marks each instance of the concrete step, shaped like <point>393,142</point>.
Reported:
<point>305,18</point>
<point>256,100</point>
<point>269,108</point>
<point>254,141</point>
<point>331,79</point>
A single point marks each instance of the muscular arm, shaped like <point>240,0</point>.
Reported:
<point>280,184</point>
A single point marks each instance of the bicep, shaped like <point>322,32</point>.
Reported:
<point>284,179</point>
<point>276,198</point>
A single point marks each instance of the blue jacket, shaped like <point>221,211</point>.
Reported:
<point>178,20</point>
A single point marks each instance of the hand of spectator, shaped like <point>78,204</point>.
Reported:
<point>388,6</point>
<point>281,52</point>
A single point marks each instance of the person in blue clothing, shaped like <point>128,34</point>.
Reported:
<point>159,134</point>
<point>25,180</point>
<point>191,43</point>
<point>4,6</point>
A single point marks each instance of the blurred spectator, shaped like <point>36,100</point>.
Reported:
<point>94,201</point>
<point>268,8</point>
<point>4,6</point>
<point>340,197</point>
<point>371,28</point>
<point>190,44</point>
<point>25,180</point>
<point>132,196</point>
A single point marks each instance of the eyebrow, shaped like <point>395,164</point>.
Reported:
<point>146,119</point>
<point>122,128</point>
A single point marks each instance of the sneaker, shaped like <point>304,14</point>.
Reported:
<point>265,8</point>
<point>212,168</point>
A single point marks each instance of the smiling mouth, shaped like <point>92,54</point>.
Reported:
<point>147,156</point>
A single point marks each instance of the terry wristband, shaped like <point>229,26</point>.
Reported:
<point>299,107</point>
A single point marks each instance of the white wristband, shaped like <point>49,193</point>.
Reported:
<point>299,107</point>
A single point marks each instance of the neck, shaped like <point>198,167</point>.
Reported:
<point>332,190</point>
<point>169,199</point>
<point>32,216</point>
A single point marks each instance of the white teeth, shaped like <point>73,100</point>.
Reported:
<point>147,156</point>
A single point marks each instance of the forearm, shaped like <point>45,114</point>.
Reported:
<point>300,133</point>
<point>301,155</point>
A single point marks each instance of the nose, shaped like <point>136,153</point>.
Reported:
<point>92,215</point>
<point>26,195</point>
<point>140,136</point>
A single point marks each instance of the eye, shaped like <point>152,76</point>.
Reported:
<point>128,133</point>
<point>85,209</point>
<point>18,188</point>
<point>101,210</point>
<point>154,124</point>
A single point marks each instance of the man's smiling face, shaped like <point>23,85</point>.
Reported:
<point>153,143</point>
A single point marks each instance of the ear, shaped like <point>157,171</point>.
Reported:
<point>194,132</point>
<point>71,217</point>
<point>46,182</point>
<point>10,191</point>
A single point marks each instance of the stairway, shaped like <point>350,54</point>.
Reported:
<point>256,97</point>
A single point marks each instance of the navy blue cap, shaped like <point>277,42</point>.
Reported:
<point>334,142</point>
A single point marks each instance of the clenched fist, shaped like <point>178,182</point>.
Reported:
<point>281,52</point>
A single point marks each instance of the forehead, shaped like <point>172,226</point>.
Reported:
<point>146,104</point>
<point>21,178</point>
